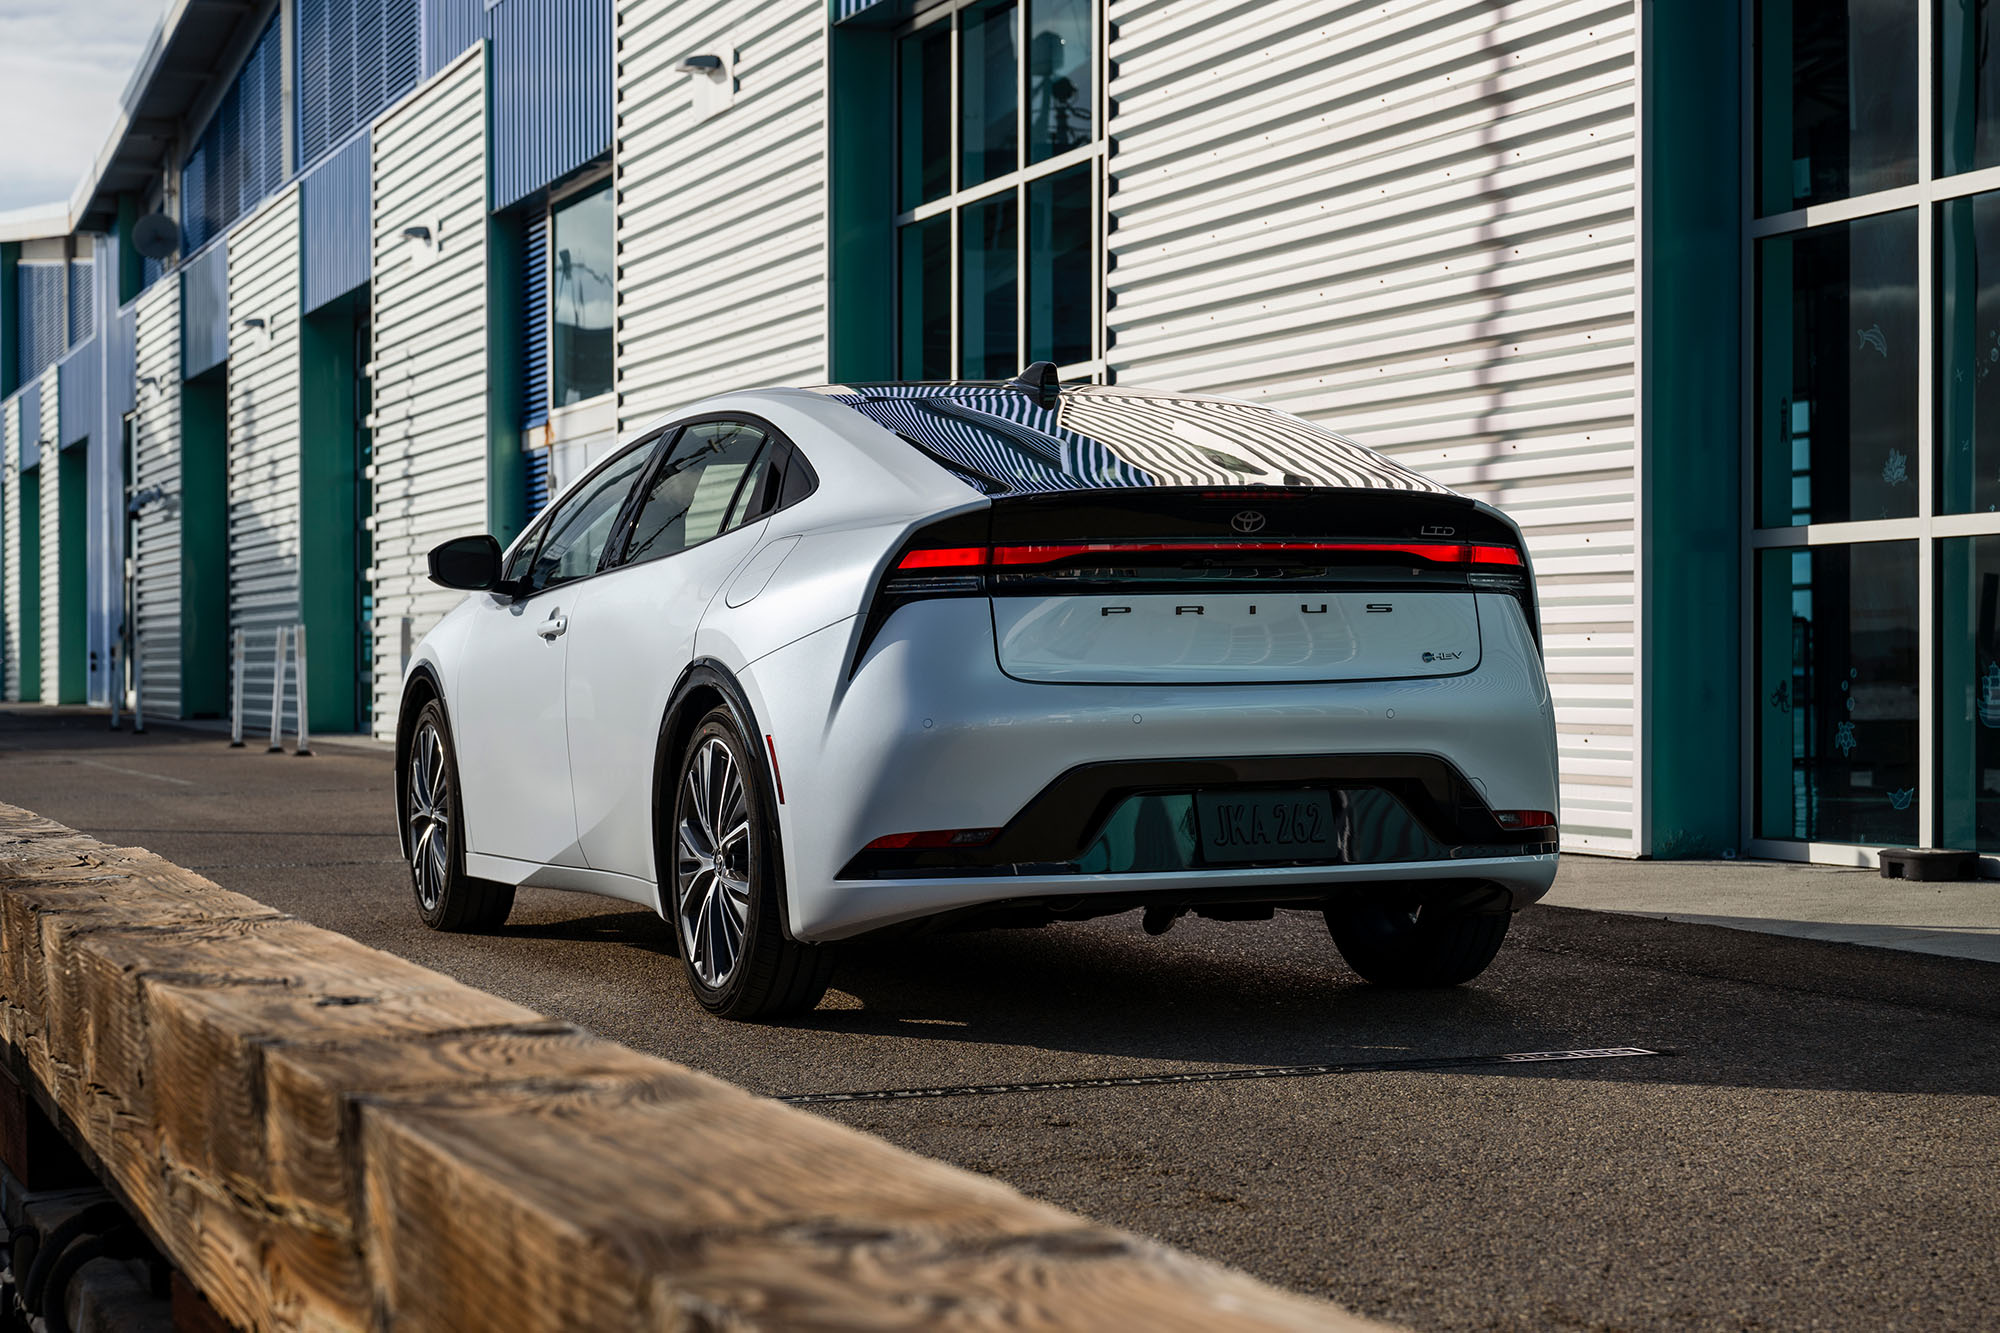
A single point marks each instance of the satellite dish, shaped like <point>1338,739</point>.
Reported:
<point>156,235</point>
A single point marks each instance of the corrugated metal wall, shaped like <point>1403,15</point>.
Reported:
<point>156,491</point>
<point>82,314</point>
<point>10,548</point>
<point>264,440</point>
<point>1417,226</point>
<point>205,310</point>
<point>80,375</point>
<point>51,535</point>
<point>119,375</point>
<point>724,214</point>
<point>449,27</point>
<point>337,243</point>
<point>547,124</point>
<point>31,422</point>
<point>429,303</point>
<point>535,321</point>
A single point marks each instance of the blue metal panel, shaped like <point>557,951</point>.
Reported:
<point>535,322</point>
<point>449,27</point>
<point>537,480</point>
<point>355,57</point>
<point>121,368</point>
<point>82,301</point>
<point>79,392</point>
<point>334,203</point>
<point>205,310</point>
<point>551,92</point>
<point>31,425</point>
<point>150,271</point>
<point>42,326</point>
<point>872,13</point>
<point>239,158</point>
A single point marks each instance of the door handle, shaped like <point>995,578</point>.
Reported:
<point>553,627</point>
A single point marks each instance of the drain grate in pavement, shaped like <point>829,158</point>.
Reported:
<point>1219,1075</point>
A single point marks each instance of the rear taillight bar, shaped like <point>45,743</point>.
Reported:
<point>997,557</point>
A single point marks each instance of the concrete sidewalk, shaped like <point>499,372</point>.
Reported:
<point>1838,903</point>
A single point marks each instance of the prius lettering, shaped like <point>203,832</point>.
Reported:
<point>1201,609</point>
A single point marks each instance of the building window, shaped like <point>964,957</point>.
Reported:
<point>579,286</point>
<point>1874,411</point>
<point>999,169</point>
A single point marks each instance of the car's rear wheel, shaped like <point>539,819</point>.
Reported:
<point>1415,945</point>
<point>434,833</point>
<point>727,908</point>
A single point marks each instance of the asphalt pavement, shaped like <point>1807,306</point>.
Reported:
<point>1816,1145</point>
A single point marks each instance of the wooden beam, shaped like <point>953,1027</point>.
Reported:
<point>322,1135</point>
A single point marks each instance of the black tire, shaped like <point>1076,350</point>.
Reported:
<point>1415,947</point>
<point>719,852</point>
<point>434,835</point>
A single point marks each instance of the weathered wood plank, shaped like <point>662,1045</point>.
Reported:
<point>325,1136</point>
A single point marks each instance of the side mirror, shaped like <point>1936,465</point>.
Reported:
<point>470,563</point>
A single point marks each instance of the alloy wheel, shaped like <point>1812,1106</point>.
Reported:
<point>429,817</point>
<point>712,863</point>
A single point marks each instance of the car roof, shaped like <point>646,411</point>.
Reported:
<point>1010,438</point>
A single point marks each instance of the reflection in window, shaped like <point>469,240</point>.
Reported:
<point>1059,83</point>
<point>694,497</point>
<point>1969,101</point>
<point>1969,339</point>
<point>923,115</point>
<point>1062,292</point>
<point>989,80</point>
<point>1837,693</point>
<point>1969,662</point>
<point>987,290</point>
<point>926,299</point>
<point>580,266</point>
<point>1837,99</point>
<point>1837,372</point>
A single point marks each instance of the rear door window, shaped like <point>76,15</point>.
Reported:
<point>710,482</point>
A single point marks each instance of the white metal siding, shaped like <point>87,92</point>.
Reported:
<point>10,544</point>
<point>156,481</point>
<point>51,535</point>
<point>721,223</point>
<point>1417,226</point>
<point>264,442</point>
<point>430,414</point>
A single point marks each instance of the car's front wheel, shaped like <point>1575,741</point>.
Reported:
<point>1416,945</point>
<point>727,908</point>
<point>434,833</point>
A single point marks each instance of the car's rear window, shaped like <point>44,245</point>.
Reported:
<point>1001,440</point>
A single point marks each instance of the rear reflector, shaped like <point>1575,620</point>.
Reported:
<point>971,557</point>
<point>944,837</point>
<point>1517,819</point>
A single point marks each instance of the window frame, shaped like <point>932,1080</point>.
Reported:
<point>957,199</point>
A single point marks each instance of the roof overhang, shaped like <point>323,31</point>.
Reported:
<point>191,48</point>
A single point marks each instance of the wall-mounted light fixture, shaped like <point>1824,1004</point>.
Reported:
<point>251,322</point>
<point>699,65</point>
<point>417,233</point>
<point>712,76</point>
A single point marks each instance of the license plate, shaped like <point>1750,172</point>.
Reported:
<point>1267,826</point>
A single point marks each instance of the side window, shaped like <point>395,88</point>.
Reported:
<point>523,558</point>
<point>582,524</point>
<point>701,490</point>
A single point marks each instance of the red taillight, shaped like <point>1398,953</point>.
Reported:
<point>972,557</point>
<point>944,837</point>
<point>948,557</point>
<point>1522,819</point>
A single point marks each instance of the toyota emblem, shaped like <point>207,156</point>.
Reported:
<point>1247,521</point>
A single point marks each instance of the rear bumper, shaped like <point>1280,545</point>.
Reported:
<point>852,907</point>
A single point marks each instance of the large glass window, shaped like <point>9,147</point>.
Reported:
<point>1837,99</point>
<point>1837,372</point>
<point>1969,343</point>
<point>580,268</point>
<point>1968,85</point>
<point>1969,663</point>
<point>1837,686</point>
<point>998,179</point>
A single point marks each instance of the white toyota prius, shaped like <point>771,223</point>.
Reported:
<point>800,664</point>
